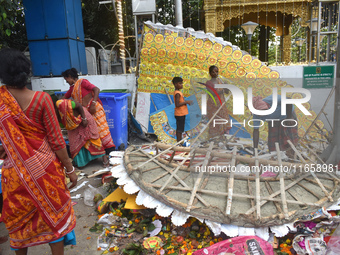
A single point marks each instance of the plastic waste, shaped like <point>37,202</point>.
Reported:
<point>333,246</point>
<point>89,195</point>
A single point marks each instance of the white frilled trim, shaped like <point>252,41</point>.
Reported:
<point>229,230</point>
<point>124,179</point>
<point>140,197</point>
<point>246,231</point>
<point>118,171</point>
<point>131,187</point>
<point>164,210</point>
<point>150,202</point>
<point>280,231</point>
<point>262,232</point>
<point>214,227</point>
<point>179,218</point>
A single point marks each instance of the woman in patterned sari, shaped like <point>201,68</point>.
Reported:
<point>85,93</point>
<point>36,201</point>
<point>220,129</point>
<point>85,144</point>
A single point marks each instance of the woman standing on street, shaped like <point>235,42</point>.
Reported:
<point>87,94</point>
<point>36,201</point>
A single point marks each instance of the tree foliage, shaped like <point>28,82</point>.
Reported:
<point>192,13</point>
<point>12,24</point>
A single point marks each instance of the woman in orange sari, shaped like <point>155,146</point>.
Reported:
<point>85,93</point>
<point>83,136</point>
<point>220,129</point>
<point>36,201</point>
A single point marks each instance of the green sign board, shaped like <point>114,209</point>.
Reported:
<point>316,77</point>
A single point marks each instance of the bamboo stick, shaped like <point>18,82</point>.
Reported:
<point>309,190</point>
<point>231,182</point>
<point>225,194</point>
<point>229,156</point>
<point>174,172</point>
<point>278,192</point>
<point>323,107</point>
<point>154,157</point>
<point>250,193</point>
<point>207,125</point>
<point>198,180</point>
<point>178,179</point>
<point>312,172</point>
<point>282,183</point>
<point>270,191</point>
<point>257,186</point>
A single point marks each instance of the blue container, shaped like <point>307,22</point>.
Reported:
<point>116,109</point>
<point>52,57</point>
<point>53,19</point>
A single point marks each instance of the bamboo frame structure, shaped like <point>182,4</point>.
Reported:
<point>230,197</point>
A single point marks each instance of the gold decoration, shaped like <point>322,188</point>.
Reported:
<point>237,54</point>
<point>189,42</point>
<point>159,38</point>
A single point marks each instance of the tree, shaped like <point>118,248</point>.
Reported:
<point>12,25</point>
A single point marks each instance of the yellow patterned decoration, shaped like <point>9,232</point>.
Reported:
<point>165,54</point>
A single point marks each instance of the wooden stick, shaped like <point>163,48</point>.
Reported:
<point>199,178</point>
<point>240,127</point>
<point>225,194</point>
<point>312,172</point>
<point>175,184</point>
<point>295,197</point>
<point>231,182</point>
<point>207,125</point>
<point>315,182</point>
<point>282,182</point>
<point>149,169</point>
<point>172,157</point>
<point>178,179</point>
<point>310,191</point>
<point>322,109</point>
<point>257,186</point>
<point>152,158</point>
<point>252,203</point>
<point>229,156</point>
<point>278,192</point>
<point>316,155</point>
<point>270,191</point>
<point>174,172</point>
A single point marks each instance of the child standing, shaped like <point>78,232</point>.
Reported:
<point>181,109</point>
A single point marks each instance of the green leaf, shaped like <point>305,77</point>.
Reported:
<point>4,15</point>
<point>151,227</point>
<point>8,32</point>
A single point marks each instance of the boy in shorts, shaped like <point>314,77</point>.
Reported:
<point>181,109</point>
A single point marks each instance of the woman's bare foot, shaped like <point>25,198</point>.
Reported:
<point>106,161</point>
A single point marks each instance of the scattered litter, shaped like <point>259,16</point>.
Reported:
<point>78,196</point>
<point>78,187</point>
<point>102,171</point>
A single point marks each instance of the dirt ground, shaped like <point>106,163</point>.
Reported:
<point>86,218</point>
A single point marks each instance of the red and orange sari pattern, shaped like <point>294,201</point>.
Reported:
<point>36,202</point>
<point>79,135</point>
<point>99,116</point>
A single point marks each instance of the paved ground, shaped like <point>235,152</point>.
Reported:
<point>86,218</point>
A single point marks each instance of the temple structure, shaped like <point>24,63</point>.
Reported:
<point>278,14</point>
